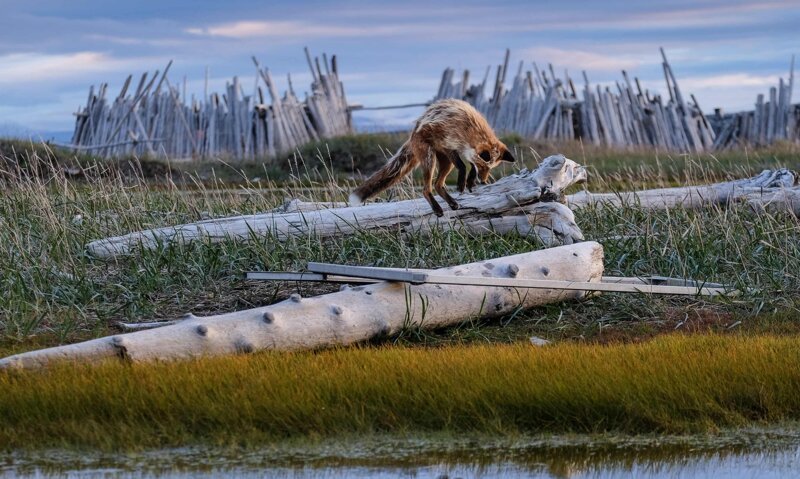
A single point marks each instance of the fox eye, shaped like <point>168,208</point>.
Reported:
<point>485,156</point>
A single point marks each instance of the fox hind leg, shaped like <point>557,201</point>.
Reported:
<point>445,167</point>
<point>428,167</point>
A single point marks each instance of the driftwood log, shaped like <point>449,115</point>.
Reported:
<point>772,190</point>
<point>521,204</point>
<point>346,317</point>
<point>769,191</point>
<point>503,204</point>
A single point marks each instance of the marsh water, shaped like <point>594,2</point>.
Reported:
<point>762,453</point>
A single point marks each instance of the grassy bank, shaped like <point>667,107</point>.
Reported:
<point>479,376</point>
<point>671,384</point>
<point>351,157</point>
<point>52,292</point>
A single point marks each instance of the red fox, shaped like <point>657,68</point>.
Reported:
<point>450,133</point>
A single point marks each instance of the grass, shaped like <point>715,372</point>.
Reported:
<point>480,376</point>
<point>52,292</point>
<point>672,384</point>
<point>352,156</point>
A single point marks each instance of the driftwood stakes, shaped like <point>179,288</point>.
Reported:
<point>770,121</point>
<point>544,106</point>
<point>229,124</point>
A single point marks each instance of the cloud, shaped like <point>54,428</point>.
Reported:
<point>137,40</point>
<point>290,28</point>
<point>650,16</point>
<point>734,80</point>
<point>584,60</point>
<point>37,67</point>
<point>53,113</point>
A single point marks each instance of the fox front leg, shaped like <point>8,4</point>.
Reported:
<point>462,171</point>
<point>473,175</point>
<point>470,155</point>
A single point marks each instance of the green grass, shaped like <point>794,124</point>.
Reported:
<point>479,376</point>
<point>352,156</point>
<point>672,384</point>
<point>52,292</point>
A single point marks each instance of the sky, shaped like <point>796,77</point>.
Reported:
<point>725,52</point>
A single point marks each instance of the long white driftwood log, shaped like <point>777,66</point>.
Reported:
<point>771,190</point>
<point>508,196</point>
<point>348,316</point>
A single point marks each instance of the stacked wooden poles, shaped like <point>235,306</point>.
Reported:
<point>158,120</point>
<point>774,120</point>
<point>541,105</point>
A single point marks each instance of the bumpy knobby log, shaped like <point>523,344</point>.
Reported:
<point>507,196</point>
<point>780,200</point>
<point>551,222</point>
<point>348,316</point>
<point>770,190</point>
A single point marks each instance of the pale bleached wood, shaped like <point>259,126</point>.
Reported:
<point>206,127</point>
<point>349,316</point>
<point>506,196</point>
<point>768,188</point>
<point>769,192</point>
<point>630,117</point>
<point>552,223</point>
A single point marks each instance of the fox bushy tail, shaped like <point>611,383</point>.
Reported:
<point>398,166</point>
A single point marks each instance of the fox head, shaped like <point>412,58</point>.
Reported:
<point>491,156</point>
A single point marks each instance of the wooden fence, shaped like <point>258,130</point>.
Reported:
<point>543,106</point>
<point>770,121</point>
<point>156,119</point>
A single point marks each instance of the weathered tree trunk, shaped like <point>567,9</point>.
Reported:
<point>507,197</point>
<point>551,222</point>
<point>348,316</point>
<point>770,190</point>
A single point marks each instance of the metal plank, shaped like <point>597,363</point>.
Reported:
<point>324,272</point>
<point>660,280</point>
<point>576,285</point>
<point>385,274</point>
<point>418,277</point>
<point>292,276</point>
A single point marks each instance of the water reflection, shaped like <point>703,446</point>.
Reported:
<point>741,453</point>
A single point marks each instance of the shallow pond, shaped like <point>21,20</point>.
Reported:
<point>761,453</point>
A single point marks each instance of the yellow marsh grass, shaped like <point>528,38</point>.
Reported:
<point>671,384</point>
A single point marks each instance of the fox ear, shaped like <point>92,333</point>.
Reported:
<point>507,156</point>
<point>485,156</point>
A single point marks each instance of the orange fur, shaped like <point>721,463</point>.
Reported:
<point>448,131</point>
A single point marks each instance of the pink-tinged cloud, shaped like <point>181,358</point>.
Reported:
<point>733,80</point>
<point>255,29</point>
<point>37,67</point>
<point>583,60</point>
<point>687,17</point>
